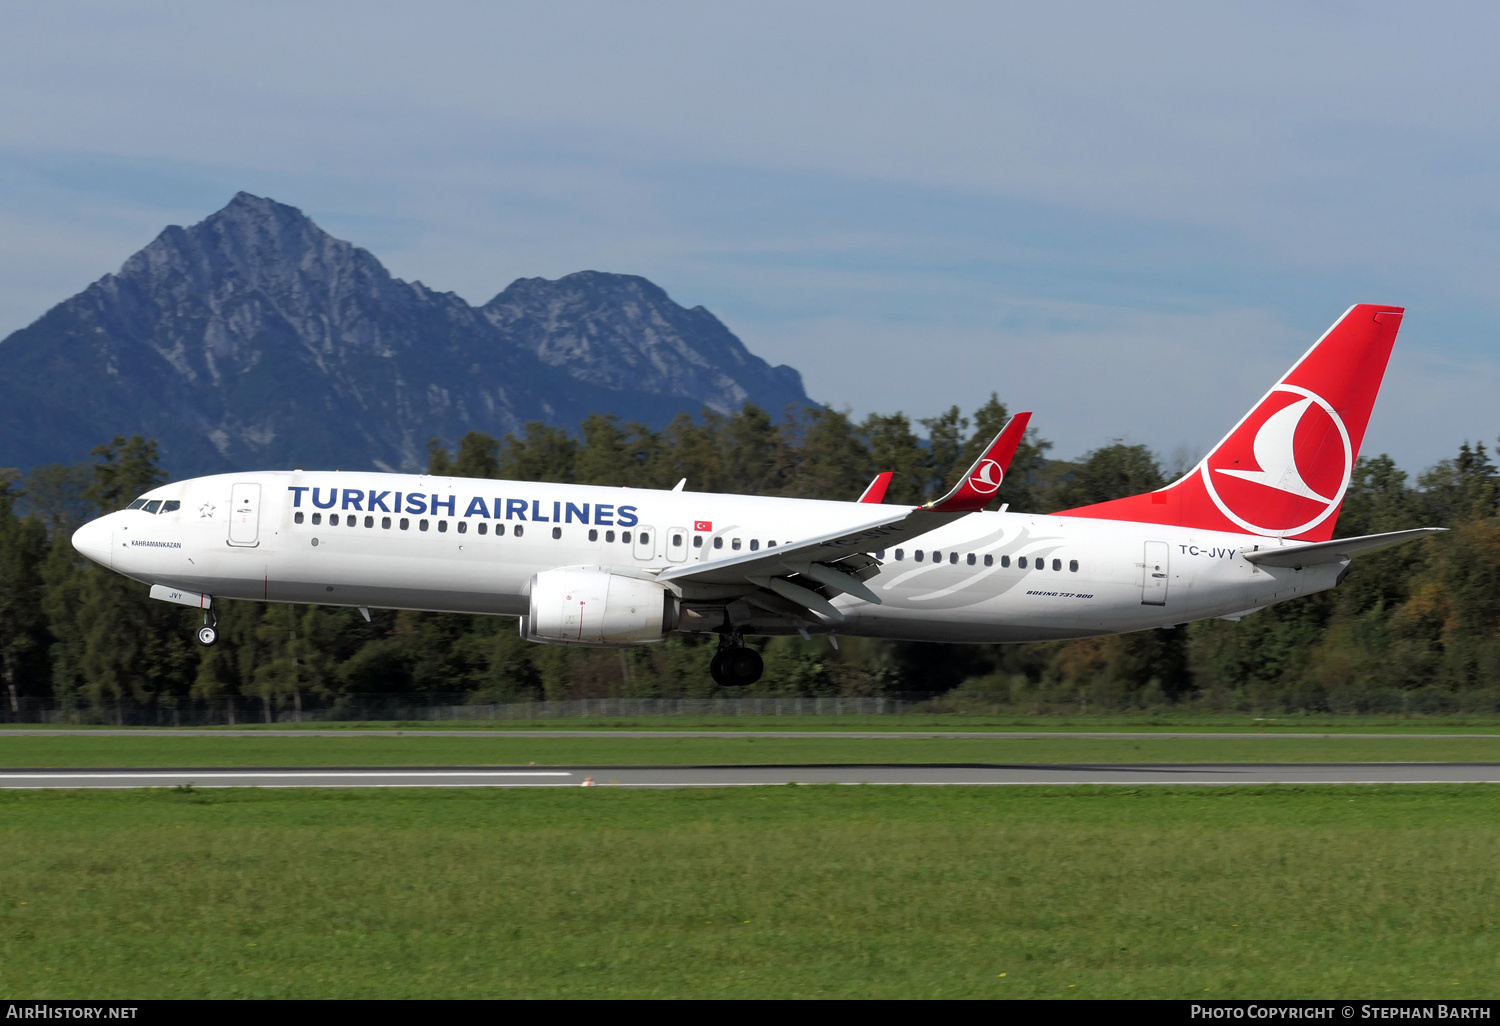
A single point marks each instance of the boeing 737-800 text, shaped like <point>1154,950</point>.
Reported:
<point>1251,524</point>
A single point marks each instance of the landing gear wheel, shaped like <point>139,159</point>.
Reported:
<point>716,668</point>
<point>207,635</point>
<point>741,666</point>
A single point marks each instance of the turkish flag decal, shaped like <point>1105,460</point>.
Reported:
<point>703,525</point>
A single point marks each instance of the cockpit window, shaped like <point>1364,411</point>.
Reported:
<point>171,506</point>
<point>137,504</point>
<point>153,505</point>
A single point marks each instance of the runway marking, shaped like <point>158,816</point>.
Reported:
<point>356,774</point>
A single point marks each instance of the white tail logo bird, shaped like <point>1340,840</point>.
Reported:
<point>1275,451</point>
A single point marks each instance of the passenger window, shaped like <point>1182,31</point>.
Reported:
<point>556,533</point>
<point>333,520</point>
<point>609,536</point>
<point>351,521</point>
<point>593,534</point>
<point>463,527</point>
<point>1005,561</point>
<point>499,530</point>
<point>137,504</point>
<point>754,544</point>
<point>519,530</point>
<point>697,541</point>
<point>953,558</point>
<point>770,545</point>
<point>917,555</point>
<point>1021,562</point>
<point>317,518</point>
<point>718,543</point>
<point>735,544</point>
<point>624,537</point>
<point>644,538</point>
<point>442,527</point>
<point>369,521</point>
<point>405,523</point>
<point>1057,564</point>
<point>483,528</point>
<point>421,525</point>
<point>880,553</point>
<point>900,555</point>
<point>171,506</point>
<point>989,560</point>
<point>971,559</point>
<point>1073,566</point>
<point>385,523</point>
<point>153,505</point>
<point>937,557</point>
<point>297,518</point>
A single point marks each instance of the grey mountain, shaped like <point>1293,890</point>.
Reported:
<point>254,339</point>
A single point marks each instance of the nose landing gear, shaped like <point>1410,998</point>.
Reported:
<point>206,634</point>
<point>734,665</point>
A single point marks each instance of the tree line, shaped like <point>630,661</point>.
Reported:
<point>1414,629</point>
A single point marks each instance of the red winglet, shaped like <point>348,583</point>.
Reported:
<point>876,492</point>
<point>976,488</point>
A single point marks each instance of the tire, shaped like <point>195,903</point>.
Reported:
<point>743,666</point>
<point>207,635</point>
<point>716,668</point>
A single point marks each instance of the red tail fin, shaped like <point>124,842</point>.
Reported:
<point>1283,470</point>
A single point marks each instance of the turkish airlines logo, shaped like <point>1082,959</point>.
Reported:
<point>1285,468</point>
<point>986,480</point>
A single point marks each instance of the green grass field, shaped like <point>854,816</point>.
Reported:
<point>519,749</point>
<point>773,892</point>
<point>1164,723</point>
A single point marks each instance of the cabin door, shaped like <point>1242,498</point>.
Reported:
<point>244,515</point>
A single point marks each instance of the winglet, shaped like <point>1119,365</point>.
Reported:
<point>876,492</point>
<point>976,488</point>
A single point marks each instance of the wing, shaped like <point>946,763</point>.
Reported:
<point>804,575</point>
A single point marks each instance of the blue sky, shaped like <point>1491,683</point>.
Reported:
<point>1128,218</point>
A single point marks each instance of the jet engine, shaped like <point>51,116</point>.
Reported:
<point>589,606</point>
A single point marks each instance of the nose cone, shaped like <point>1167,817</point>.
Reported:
<point>93,540</point>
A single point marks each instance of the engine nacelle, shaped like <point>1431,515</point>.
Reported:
<point>595,607</point>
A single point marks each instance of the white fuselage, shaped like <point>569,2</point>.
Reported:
<point>473,546</point>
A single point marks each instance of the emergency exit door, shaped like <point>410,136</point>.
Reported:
<point>1154,573</point>
<point>645,542</point>
<point>244,515</point>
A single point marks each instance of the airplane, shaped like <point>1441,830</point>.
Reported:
<point>1251,524</point>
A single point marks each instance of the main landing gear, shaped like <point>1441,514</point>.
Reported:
<point>206,634</point>
<point>734,665</point>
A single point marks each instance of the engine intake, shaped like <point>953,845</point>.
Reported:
<point>596,607</point>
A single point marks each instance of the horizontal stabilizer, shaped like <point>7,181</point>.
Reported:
<point>1335,551</point>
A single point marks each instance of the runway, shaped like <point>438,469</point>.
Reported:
<point>1133,775</point>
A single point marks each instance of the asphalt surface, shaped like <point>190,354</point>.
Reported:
<point>744,776</point>
<point>606,732</point>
